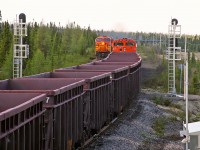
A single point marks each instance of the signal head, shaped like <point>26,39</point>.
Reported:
<point>23,17</point>
<point>174,21</point>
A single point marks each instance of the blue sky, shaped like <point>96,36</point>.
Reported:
<point>119,15</point>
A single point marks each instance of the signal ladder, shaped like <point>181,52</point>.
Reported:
<point>173,55</point>
<point>20,50</point>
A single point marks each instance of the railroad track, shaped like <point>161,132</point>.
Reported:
<point>103,130</point>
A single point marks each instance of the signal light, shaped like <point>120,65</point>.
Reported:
<point>174,21</point>
<point>23,17</point>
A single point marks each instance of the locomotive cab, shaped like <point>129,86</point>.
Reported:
<point>124,45</point>
<point>103,46</point>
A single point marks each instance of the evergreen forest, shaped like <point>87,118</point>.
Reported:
<point>52,47</point>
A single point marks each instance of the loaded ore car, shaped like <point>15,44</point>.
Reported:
<point>63,109</point>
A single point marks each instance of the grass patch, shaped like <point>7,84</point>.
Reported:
<point>178,106</point>
<point>161,101</point>
<point>196,117</point>
<point>174,109</point>
<point>159,126</point>
<point>172,118</point>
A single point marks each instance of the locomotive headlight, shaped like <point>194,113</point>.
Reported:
<point>102,43</point>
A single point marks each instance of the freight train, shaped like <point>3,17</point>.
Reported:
<point>63,109</point>
<point>104,45</point>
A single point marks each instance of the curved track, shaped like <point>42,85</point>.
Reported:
<point>65,108</point>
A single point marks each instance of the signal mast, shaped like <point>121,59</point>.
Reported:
<point>174,53</point>
<point>20,49</point>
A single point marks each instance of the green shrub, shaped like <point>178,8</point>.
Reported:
<point>159,126</point>
<point>162,101</point>
<point>167,102</point>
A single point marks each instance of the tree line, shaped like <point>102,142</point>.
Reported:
<point>143,38</point>
<point>50,47</point>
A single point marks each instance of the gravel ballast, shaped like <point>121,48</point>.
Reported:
<point>133,130</point>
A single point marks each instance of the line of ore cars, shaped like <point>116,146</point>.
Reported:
<point>62,109</point>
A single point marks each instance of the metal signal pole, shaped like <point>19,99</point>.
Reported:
<point>174,54</point>
<point>20,50</point>
<point>186,94</point>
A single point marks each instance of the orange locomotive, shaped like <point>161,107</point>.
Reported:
<point>124,45</point>
<point>103,46</point>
